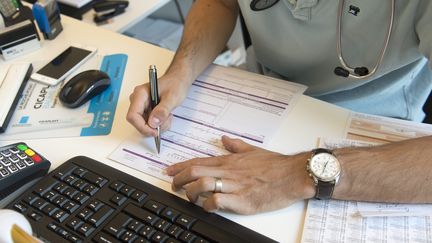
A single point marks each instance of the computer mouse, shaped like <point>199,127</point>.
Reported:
<point>82,87</point>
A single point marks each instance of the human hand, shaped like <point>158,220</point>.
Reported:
<point>253,179</point>
<point>172,91</point>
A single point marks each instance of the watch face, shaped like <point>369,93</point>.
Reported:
<point>324,166</point>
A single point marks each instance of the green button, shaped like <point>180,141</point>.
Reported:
<point>22,147</point>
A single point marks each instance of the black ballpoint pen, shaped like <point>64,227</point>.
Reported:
<point>154,93</point>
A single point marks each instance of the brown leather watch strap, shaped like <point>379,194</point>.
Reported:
<point>324,190</point>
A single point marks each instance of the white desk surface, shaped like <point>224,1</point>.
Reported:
<point>135,12</point>
<point>309,119</point>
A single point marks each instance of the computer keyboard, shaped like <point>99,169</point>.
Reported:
<point>86,201</point>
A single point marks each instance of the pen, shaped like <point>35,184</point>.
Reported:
<point>154,93</point>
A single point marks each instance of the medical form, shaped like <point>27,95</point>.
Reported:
<point>221,101</point>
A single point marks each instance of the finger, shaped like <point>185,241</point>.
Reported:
<point>161,113</point>
<point>236,145</point>
<point>208,184</point>
<point>167,124</point>
<point>136,110</point>
<point>193,173</point>
<point>178,167</point>
<point>227,202</point>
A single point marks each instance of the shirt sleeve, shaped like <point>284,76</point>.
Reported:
<point>424,28</point>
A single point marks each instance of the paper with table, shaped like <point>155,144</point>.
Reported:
<point>347,221</point>
<point>221,101</point>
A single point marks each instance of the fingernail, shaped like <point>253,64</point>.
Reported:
<point>155,121</point>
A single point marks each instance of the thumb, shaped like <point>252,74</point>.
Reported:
<point>236,145</point>
<point>160,114</point>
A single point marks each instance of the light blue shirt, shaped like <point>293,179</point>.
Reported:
<point>298,43</point>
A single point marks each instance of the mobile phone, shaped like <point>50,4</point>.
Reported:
<point>63,65</point>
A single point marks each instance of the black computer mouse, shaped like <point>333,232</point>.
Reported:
<point>82,87</point>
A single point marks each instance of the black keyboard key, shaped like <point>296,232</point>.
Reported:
<point>153,206</point>
<point>59,200</point>
<point>116,185</point>
<point>49,195</point>
<point>60,175</point>
<point>44,186</point>
<point>101,237</point>
<point>159,237</point>
<point>35,216</point>
<point>174,230</point>
<point>74,239</point>
<point>115,226</point>
<point>80,197</point>
<point>135,225</point>
<point>100,216</point>
<point>80,184</point>
<point>39,203</point>
<point>118,199</point>
<point>128,236</point>
<point>141,214</point>
<point>138,195</point>
<point>95,179</point>
<point>20,207</point>
<point>171,240</point>
<point>79,172</point>
<point>200,240</point>
<point>185,221</point>
<point>49,209</point>
<point>70,179</point>
<point>85,213</point>
<point>60,216</point>
<point>30,198</point>
<point>95,205</point>
<point>147,232</point>
<point>127,190</point>
<point>162,225</point>
<point>70,192</point>
<point>60,187</point>
<point>90,189</point>
<point>187,237</point>
<point>170,214</point>
<point>85,230</point>
<point>140,240</point>
<point>70,206</point>
<point>74,223</point>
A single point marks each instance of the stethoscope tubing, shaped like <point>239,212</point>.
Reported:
<point>382,52</point>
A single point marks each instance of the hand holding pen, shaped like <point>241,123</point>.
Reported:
<point>154,95</point>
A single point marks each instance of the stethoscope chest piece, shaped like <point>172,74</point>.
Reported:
<point>258,5</point>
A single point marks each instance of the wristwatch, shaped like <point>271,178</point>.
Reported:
<point>324,168</point>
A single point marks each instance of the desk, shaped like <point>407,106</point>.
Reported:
<point>298,133</point>
<point>135,12</point>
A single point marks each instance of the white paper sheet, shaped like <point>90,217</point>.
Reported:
<point>338,221</point>
<point>222,101</point>
<point>380,129</point>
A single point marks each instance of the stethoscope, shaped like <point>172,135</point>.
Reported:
<point>344,70</point>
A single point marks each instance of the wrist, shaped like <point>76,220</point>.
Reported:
<point>306,184</point>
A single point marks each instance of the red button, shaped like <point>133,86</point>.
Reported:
<point>36,158</point>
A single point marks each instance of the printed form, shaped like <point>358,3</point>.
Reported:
<point>221,101</point>
<point>349,221</point>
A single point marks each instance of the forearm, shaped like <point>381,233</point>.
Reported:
<point>207,29</point>
<point>396,172</point>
